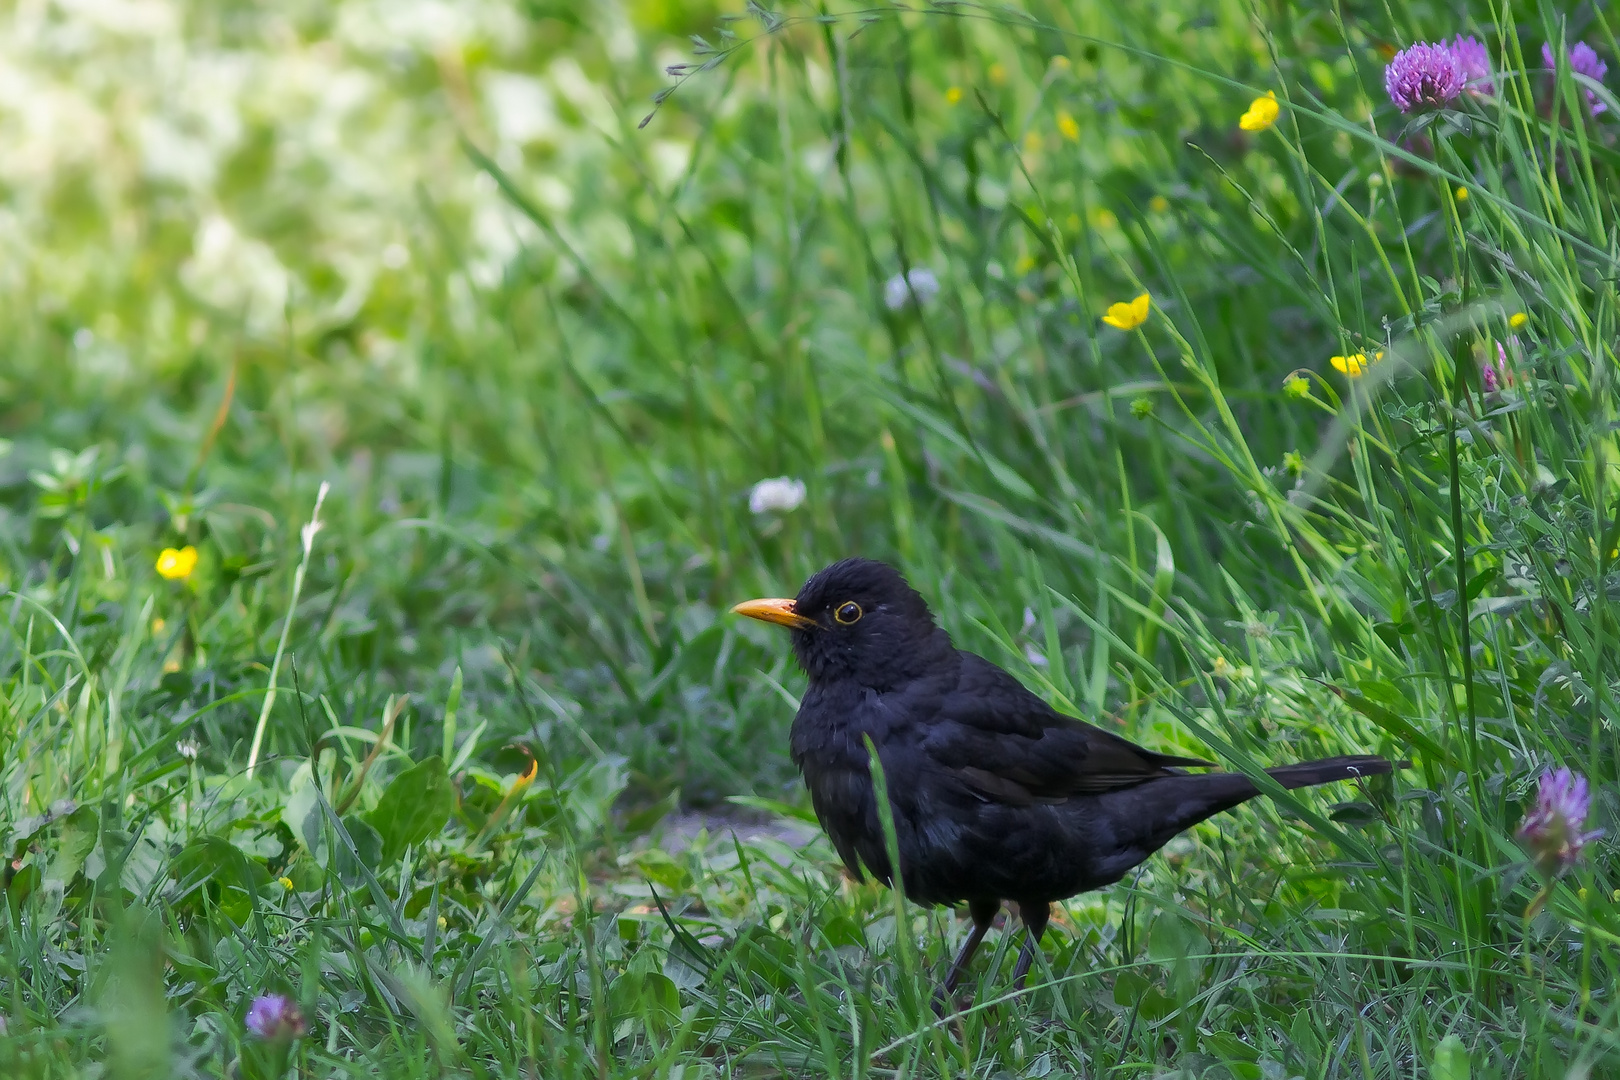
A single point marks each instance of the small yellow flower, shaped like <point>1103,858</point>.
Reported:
<point>1297,386</point>
<point>1462,194</point>
<point>1128,316</point>
<point>1221,669</point>
<point>1104,219</point>
<point>1067,127</point>
<point>1158,204</point>
<point>177,565</point>
<point>1060,63</point>
<point>1356,364</point>
<point>157,626</point>
<point>1518,319</point>
<point>443,922</point>
<point>953,95</point>
<point>286,883</point>
<point>1262,113</point>
<point>998,74</point>
<point>1032,143</point>
<point>1024,265</point>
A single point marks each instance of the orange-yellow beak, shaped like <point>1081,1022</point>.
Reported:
<point>779,612</point>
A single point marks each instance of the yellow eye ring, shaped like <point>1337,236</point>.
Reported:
<point>848,612</point>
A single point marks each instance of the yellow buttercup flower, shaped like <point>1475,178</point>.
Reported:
<point>177,564</point>
<point>1518,319</point>
<point>1067,127</point>
<point>1128,316</point>
<point>1158,204</point>
<point>1462,194</point>
<point>1356,364</point>
<point>1262,113</point>
<point>953,95</point>
<point>286,883</point>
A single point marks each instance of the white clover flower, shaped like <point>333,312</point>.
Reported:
<point>919,284</point>
<point>187,749</point>
<point>783,493</point>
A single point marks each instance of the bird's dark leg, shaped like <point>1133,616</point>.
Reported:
<point>984,913</point>
<point>1035,916</point>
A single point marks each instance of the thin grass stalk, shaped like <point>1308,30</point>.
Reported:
<point>307,536</point>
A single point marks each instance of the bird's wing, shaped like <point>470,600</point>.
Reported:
<point>1009,746</point>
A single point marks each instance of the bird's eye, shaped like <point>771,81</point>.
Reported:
<point>848,612</point>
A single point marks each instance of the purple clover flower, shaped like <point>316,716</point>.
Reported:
<point>275,1018</point>
<point>1551,830</point>
<point>1495,376</point>
<point>1583,60</point>
<point>1475,64</point>
<point>1424,76</point>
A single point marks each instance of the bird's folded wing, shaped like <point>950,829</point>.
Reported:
<point>1007,745</point>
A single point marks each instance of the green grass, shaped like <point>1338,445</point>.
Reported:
<point>425,255</point>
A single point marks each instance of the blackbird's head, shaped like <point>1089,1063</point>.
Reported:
<point>857,619</point>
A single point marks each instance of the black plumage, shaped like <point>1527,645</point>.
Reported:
<point>994,794</point>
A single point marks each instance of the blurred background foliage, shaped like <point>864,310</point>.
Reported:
<point>544,289</point>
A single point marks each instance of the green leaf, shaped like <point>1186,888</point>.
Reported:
<point>1133,991</point>
<point>1392,723</point>
<point>301,812</point>
<point>211,865</point>
<point>649,995</point>
<point>1356,814</point>
<point>415,806</point>
<point>1450,1060</point>
<point>368,844</point>
<point>661,869</point>
<point>77,840</point>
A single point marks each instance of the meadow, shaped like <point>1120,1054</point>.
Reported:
<point>386,393</point>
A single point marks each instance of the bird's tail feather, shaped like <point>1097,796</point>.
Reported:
<point>1145,817</point>
<point>1327,770</point>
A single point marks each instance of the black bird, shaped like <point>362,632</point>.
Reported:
<point>994,794</point>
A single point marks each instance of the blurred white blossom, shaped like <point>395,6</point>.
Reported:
<point>236,274</point>
<point>918,283</point>
<point>782,493</point>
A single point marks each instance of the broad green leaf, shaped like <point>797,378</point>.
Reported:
<point>414,807</point>
<point>1451,1060</point>
<point>76,840</point>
